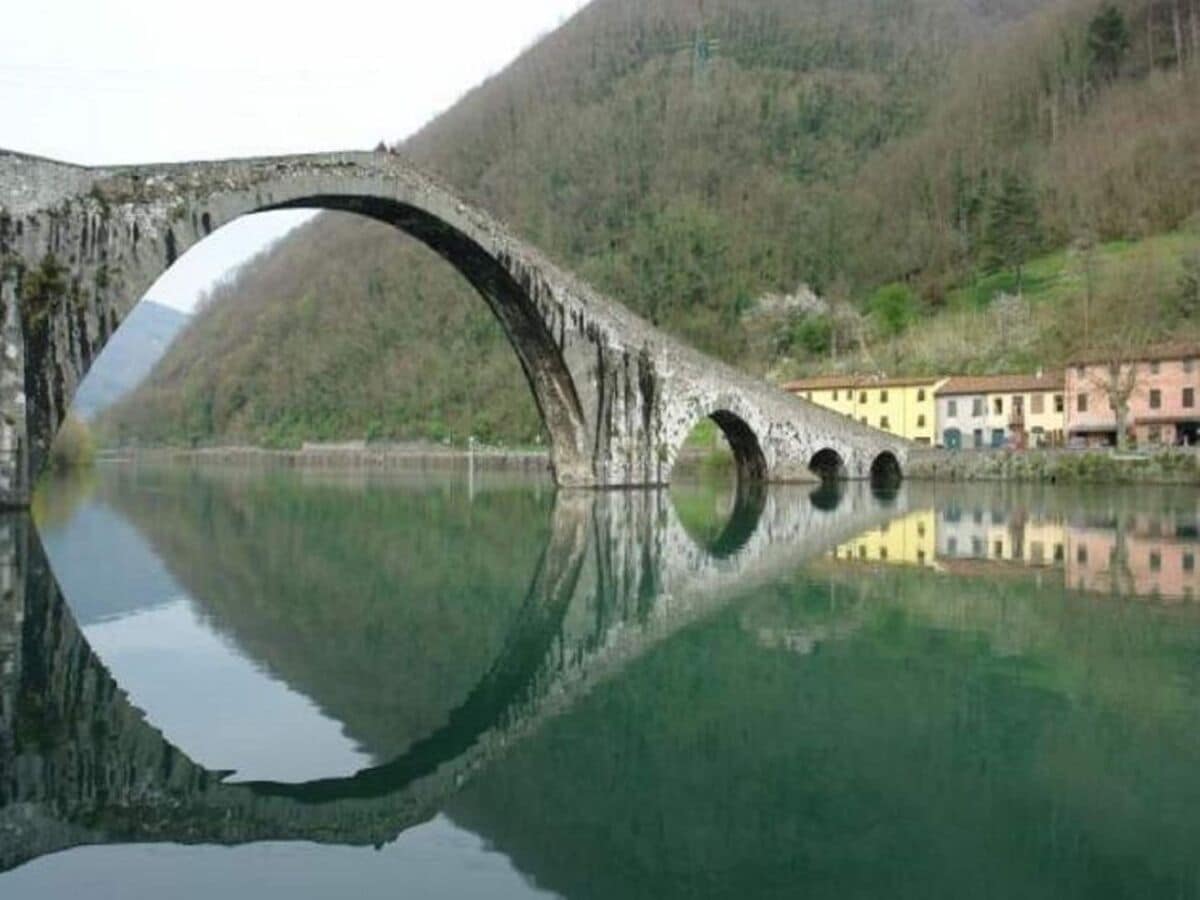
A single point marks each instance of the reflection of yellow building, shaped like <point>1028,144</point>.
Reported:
<point>902,406</point>
<point>908,541</point>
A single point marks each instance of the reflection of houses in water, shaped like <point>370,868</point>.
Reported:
<point>1144,556</point>
<point>907,541</point>
<point>1134,555</point>
<point>1009,536</point>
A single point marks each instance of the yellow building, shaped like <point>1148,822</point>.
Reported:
<point>909,541</point>
<point>902,406</point>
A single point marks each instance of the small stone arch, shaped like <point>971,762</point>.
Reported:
<point>828,497</point>
<point>885,471</point>
<point>828,465</point>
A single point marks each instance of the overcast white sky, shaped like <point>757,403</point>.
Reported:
<point>124,81</point>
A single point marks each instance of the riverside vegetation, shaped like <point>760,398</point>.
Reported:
<point>961,186</point>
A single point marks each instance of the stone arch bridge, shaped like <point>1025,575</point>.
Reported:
<point>80,246</point>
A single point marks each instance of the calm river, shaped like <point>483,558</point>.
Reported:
<point>229,684</point>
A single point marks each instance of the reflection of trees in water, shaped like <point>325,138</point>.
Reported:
<point>912,733</point>
<point>339,590</point>
<point>59,497</point>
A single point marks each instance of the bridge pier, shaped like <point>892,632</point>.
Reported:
<point>79,247</point>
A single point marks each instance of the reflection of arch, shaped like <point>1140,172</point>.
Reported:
<point>511,678</point>
<point>828,497</point>
<point>743,520</point>
<point>828,465</point>
<point>720,534</point>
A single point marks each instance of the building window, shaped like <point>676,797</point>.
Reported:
<point>1081,555</point>
<point>883,396</point>
<point>1059,406</point>
<point>1154,368</point>
<point>1189,562</point>
<point>978,408</point>
<point>921,395</point>
<point>952,546</point>
<point>1058,552</point>
<point>862,397</point>
<point>998,405</point>
<point>1156,399</point>
<point>1080,371</point>
<point>952,409</point>
<point>920,529</point>
<point>998,549</point>
<point>883,553</point>
<point>1189,365</point>
<point>1082,402</point>
<point>835,396</point>
<point>977,548</point>
<point>1189,398</point>
<point>885,424</point>
<point>808,395</point>
<point>1156,562</point>
<point>1037,404</point>
<point>862,551</point>
<point>864,420</point>
<point>920,421</point>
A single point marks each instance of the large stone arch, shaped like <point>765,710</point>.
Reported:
<point>135,228</point>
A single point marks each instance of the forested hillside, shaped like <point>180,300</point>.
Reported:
<point>692,158</point>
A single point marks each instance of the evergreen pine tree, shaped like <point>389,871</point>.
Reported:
<point>1014,230</point>
<point>1108,41</point>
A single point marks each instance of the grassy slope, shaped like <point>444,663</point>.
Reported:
<point>844,145</point>
<point>975,334</point>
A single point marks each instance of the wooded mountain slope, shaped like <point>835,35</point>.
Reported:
<point>690,157</point>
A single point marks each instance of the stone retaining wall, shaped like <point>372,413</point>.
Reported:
<point>1168,466</point>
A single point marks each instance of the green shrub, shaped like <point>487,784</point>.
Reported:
<point>893,308</point>
<point>73,447</point>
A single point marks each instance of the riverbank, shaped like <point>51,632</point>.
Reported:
<point>1174,465</point>
<point>409,457</point>
<point>692,462</point>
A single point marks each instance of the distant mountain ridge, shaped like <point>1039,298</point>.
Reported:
<point>129,357</point>
<point>689,158</point>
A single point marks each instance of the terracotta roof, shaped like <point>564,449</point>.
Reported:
<point>830,382</point>
<point>1001,384</point>
<point>1155,353</point>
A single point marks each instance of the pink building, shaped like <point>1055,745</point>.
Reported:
<point>1164,383</point>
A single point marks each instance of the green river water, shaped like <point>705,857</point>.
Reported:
<point>283,685</point>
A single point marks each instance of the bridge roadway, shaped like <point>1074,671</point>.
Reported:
<point>80,246</point>
<point>79,764</point>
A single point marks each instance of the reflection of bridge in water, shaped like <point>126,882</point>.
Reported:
<point>80,765</point>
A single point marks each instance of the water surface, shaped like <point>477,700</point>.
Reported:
<point>269,684</point>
